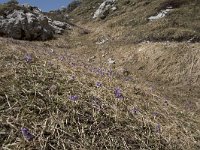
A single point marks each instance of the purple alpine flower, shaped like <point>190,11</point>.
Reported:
<point>99,71</point>
<point>73,97</point>
<point>158,128</point>
<point>26,133</point>
<point>28,58</point>
<point>118,93</point>
<point>98,84</point>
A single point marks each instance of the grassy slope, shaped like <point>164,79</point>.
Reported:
<point>162,90</point>
<point>10,7</point>
<point>173,66</point>
<point>181,24</point>
<point>36,95</point>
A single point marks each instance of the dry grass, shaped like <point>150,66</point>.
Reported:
<point>182,24</point>
<point>160,108</point>
<point>173,66</point>
<point>36,94</point>
<point>10,7</point>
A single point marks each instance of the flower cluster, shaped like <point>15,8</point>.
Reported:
<point>98,84</point>
<point>118,93</point>
<point>73,97</point>
<point>26,133</point>
<point>28,58</point>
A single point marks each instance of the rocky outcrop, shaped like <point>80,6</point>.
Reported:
<point>161,14</point>
<point>29,23</point>
<point>59,26</point>
<point>104,9</point>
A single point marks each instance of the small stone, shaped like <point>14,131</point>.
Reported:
<point>111,61</point>
<point>114,8</point>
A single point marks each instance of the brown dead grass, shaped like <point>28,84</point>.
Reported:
<point>182,24</point>
<point>97,119</point>
<point>173,66</point>
<point>161,105</point>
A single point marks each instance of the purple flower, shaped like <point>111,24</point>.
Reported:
<point>118,93</point>
<point>73,97</point>
<point>98,84</point>
<point>26,133</point>
<point>99,71</point>
<point>28,58</point>
<point>158,128</point>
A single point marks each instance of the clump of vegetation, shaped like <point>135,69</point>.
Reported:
<point>62,14</point>
<point>84,11</point>
<point>10,6</point>
<point>73,5</point>
<point>12,2</point>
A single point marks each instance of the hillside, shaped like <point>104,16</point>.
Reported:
<point>131,19</point>
<point>120,81</point>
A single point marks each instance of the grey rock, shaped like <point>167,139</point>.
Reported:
<point>104,9</point>
<point>31,25</point>
<point>114,8</point>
